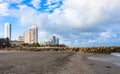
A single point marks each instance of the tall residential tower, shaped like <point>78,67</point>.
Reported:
<point>8,30</point>
<point>31,36</point>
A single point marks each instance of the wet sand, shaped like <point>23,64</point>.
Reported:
<point>27,62</point>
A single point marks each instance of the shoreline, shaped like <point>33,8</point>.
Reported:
<point>50,62</point>
<point>102,67</point>
<point>88,66</point>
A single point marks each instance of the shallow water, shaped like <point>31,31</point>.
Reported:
<point>6,51</point>
<point>116,54</point>
<point>112,58</point>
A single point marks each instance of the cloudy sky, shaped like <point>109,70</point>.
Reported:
<point>75,22</point>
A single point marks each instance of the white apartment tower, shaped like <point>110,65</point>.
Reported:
<point>31,36</point>
<point>26,37</point>
<point>8,30</point>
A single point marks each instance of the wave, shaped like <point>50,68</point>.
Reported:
<point>116,54</point>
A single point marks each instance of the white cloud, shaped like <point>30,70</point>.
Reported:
<point>4,7</point>
<point>31,17</point>
<point>104,36</point>
<point>49,2</point>
<point>36,3</point>
<point>11,1</point>
<point>84,13</point>
<point>43,36</point>
<point>4,11</point>
<point>74,14</point>
<point>53,4</point>
<point>14,1</point>
<point>1,0</point>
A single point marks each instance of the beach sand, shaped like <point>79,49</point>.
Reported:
<point>27,62</point>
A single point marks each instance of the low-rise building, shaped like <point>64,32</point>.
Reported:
<point>17,43</point>
<point>4,42</point>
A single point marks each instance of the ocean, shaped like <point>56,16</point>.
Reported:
<point>112,58</point>
<point>6,51</point>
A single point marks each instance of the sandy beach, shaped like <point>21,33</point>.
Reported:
<point>29,62</point>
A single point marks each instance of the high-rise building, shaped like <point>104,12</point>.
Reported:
<point>31,36</point>
<point>8,30</point>
<point>26,37</point>
<point>57,41</point>
<point>54,40</point>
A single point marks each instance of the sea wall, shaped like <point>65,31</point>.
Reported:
<point>71,49</point>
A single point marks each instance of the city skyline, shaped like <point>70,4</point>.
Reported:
<point>30,36</point>
<point>75,22</point>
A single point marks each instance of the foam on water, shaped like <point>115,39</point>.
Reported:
<point>6,51</point>
<point>116,54</point>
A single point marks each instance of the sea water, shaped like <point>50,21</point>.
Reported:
<point>116,54</point>
<point>112,58</point>
<point>6,51</point>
